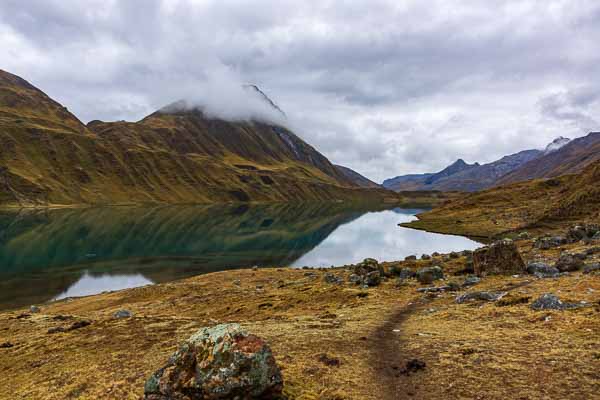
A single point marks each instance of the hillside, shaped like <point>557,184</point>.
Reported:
<point>572,157</point>
<point>179,156</point>
<point>356,178</point>
<point>534,205</point>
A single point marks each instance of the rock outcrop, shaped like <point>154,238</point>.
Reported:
<point>223,362</point>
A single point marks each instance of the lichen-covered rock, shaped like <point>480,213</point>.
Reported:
<point>369,271</point>
<point>368,265</point>
<point>500,258</point>
<point>427,275</point>
<point>481,296</point>
<point>223,362</point>
<point>542,270</point>
<point>569,262</point>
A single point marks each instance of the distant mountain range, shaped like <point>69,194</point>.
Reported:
<point>174,155</point>
<point>562,156</point>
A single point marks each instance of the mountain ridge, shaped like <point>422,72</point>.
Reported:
<point>50,158</point>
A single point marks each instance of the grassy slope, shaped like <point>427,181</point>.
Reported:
<point>49,157</point>
<point>534,205</point>
<point>469,349</point>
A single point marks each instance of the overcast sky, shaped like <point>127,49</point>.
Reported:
<point>384,87</point>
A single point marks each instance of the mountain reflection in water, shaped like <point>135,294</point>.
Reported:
<point>72,252</point>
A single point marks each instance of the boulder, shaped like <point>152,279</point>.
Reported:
<point>410,258</point>
<point>596,237</point>
<point>568,262</point>
<point>542,270</point>
<point>34,309</point>
<point>223,362</point>
<point>369,271</point>
<point>454,255</point>
<point>368,265</point>
<point>425,257</point>
<point>427,275</point>
<point>482,296</point>
<point>356,279</point>
<point>500,258</point>
<point>549,301</point>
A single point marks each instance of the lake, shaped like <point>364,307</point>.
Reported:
<point>53,254</point>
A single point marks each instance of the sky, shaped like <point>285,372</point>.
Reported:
<point>383,87</point>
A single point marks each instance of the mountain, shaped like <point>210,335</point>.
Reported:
<point>461,176</point>
<point>175,155</point>
<point>572,157</point>
<point>556,144</point>
<point>356,178</point>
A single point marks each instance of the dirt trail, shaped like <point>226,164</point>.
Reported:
<point>388,358</point>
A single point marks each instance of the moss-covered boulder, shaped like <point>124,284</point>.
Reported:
<point>222,362</point>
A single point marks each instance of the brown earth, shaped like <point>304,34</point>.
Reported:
<point>479,350</point>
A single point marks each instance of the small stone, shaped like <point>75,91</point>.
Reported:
<point>407,273</point>
<point>237,282</point>
<point>6,345</point>
<point>255,268</point>
<point>548,242</point>
<point>549,301</point>
<point>412,366</point>
<point>333,279</point>
<point>471,281</point>
<point>542,270</point>
<point>591,268</point>
<point>483,296</point>
<point>123,314</point>
<point>329,361</point>
<point>34,309</point>
<point>523,236</point>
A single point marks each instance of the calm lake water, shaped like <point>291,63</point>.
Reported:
<point>53,254</point>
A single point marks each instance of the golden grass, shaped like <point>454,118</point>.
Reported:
<point>470,350</point>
